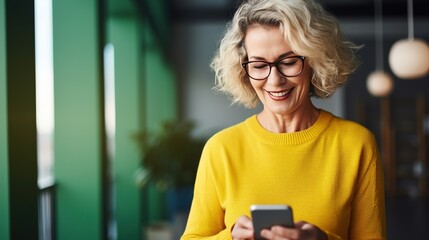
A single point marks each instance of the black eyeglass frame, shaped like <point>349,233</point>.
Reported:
<point>271,64</point>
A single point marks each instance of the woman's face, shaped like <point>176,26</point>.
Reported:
<point>279,94</point>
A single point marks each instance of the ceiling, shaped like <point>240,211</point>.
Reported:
<point>358,15</point>
<point>222,10</point>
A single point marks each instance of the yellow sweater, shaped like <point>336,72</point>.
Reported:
<point>330,174</point>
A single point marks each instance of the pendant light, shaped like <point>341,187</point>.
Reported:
<point>409,58</point>
<point>379,83</point>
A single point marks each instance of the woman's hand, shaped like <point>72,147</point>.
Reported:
<point>301,231</point>
<point>243,229</point>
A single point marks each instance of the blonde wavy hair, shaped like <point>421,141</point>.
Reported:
<point>310,31</point>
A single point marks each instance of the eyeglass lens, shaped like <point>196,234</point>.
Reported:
<point>288,67</point>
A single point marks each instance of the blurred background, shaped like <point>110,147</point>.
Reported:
<point>94,93</point>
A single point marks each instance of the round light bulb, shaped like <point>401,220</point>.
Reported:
<point>379,84</point>
<point>409,58</point>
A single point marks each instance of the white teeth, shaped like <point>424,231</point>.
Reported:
<point>279,94</point>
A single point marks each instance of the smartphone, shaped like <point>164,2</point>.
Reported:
<point>266,216</point>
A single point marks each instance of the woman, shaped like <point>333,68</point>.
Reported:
<point>280,53</point>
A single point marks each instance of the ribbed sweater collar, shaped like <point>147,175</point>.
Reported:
<point>294,138</point>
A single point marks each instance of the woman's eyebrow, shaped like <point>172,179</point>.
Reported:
<point>257,58</point>
<point>285,54</point>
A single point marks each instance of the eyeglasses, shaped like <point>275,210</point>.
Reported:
<point>287,67</point>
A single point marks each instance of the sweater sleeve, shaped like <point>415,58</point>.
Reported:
<point>332,236</point>
<point>206,217</point>
<point>368,207</point>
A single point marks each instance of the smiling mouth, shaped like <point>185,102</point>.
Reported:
<point>281,94</point>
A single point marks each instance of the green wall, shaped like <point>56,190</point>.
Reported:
<point>160,85</point>
<point>4,175</point>
<point>145,97</point>
<point>161,104</point>
<point>78,120</point>
<point>123,34</point>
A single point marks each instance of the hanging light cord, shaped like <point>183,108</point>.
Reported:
<point>378,35</point>
<point>410,20</point>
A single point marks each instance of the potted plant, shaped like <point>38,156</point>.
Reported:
<point>170,157</point>
<point>170,160</point>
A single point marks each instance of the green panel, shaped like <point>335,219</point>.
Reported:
<point>78,142</point>
<point>158,19</point>
<point>123,34</point>
<point>161,105</point>
<point>161,94</point>
<point>4,175</point>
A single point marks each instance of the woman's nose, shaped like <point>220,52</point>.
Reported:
<point>275,77</point>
